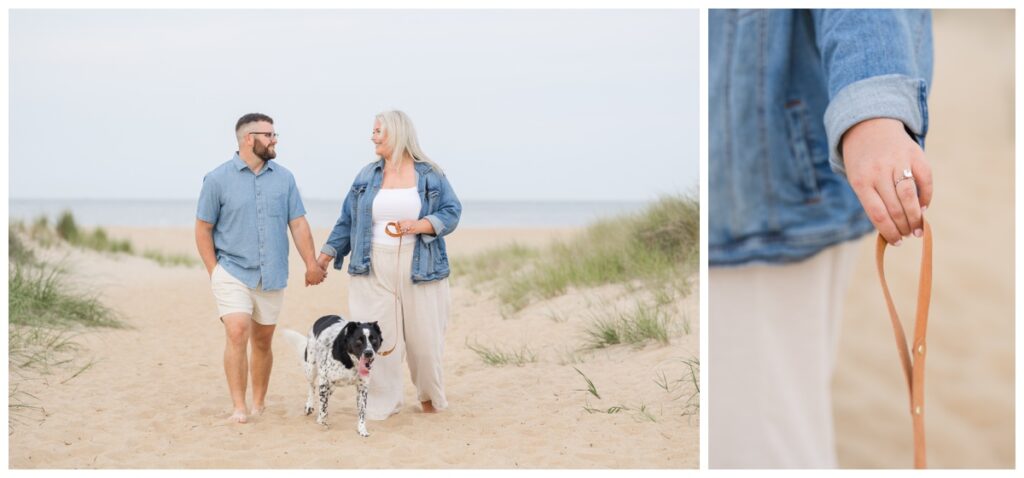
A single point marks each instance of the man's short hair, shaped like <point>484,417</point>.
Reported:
<point>252,118</point>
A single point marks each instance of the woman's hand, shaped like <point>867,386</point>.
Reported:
<point>878,154</point>
<point>323,260</point>
<point>411,226</point>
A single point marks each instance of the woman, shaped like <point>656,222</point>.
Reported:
<point>405,187</point>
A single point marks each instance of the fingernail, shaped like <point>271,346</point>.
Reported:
<point>917,233</point>
<point>897,243</point>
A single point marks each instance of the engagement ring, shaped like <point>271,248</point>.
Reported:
<point>906,175</point>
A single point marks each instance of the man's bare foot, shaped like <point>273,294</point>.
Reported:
<point>239,417</point>
<point>428,407</point>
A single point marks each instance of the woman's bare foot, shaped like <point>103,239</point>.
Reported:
<point>239,417</point>
<point>257,411</point>
<point>428,407</point>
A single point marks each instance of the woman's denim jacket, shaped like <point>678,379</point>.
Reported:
<point>784,85</point>
<point>354,230</point>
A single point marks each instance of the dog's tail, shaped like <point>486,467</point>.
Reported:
<point>298,342</point>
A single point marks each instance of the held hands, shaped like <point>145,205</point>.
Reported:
<point>315,273</point>
<point>890,176</point>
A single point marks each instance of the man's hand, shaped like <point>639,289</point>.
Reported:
<point>878,154</point>
<point>204,243</point>
<point>315,274</point>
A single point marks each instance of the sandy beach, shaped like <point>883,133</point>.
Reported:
<point>969,384</point>
<point>156,396</point>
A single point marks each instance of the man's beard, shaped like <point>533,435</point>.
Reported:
<point>264,152</point>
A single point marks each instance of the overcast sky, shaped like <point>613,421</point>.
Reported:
<point>514,105</point>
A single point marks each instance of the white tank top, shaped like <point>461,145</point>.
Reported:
<point>394,205</point>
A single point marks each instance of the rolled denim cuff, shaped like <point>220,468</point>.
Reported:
<point>327,249</point>
<point>898,97</point>
<point>438,230</point>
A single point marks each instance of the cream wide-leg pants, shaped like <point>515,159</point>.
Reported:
<point>772,345</point>
<point>420,336</point>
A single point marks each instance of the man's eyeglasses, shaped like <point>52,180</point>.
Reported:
<point>267,135</point>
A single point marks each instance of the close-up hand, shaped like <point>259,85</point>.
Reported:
<point>408,226</point>
<point>315,274</point>
<point>890,175</point>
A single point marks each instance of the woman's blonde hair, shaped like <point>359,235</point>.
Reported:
<point>402,138</point>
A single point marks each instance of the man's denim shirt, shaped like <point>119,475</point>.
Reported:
<point>250,215</point>
<point>354,230</point>
<point>784,86</point>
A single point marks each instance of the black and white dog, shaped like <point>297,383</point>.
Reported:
<point>327,359</point>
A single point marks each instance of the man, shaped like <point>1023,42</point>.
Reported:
<point>245,208</point>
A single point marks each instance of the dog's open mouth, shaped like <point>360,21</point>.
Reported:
<point>364,366</point>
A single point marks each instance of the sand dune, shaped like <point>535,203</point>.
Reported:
<point>157,396</point>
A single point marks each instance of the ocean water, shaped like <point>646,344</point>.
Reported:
<point>320,213</point>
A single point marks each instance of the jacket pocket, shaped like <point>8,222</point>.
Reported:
<point>803,161</point>
<point>432,200</point>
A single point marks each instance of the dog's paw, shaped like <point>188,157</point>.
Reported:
<point>308,410</point>
<point>363,433</point>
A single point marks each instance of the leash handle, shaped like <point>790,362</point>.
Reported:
<point>912,356</point>
<point>398,279</point>
<point>397,233</point>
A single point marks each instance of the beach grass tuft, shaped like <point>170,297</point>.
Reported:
<point>170,260</point>
<point>638,413</point>
<point>494,264</point>
<point>612,327</point>
<point>39,297</point>
<point>18,253</point>
<point>45,315</point>
<point>67,229</point>
<point>656,246</point>
<point>689,381</point>
<point>496,356</point>
<point>591,389</point>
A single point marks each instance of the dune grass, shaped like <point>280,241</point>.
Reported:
<point>40,297</point>
<point>96,240</point>
<point>170,260</point>
<point>678,387</point>
<point>655,246</point>
<point>496,356</point>
<point>17,251</point>
<point>67,230</point>
<point>639,412</point>
<point>45,315</point>
<point>636,327</point>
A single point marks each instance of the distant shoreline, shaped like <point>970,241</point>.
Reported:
<point>485,214</point>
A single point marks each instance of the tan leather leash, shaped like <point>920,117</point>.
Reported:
<point>399,307</point>
<point>912,368</point>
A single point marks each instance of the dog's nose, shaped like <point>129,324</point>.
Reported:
<point>367,353</point>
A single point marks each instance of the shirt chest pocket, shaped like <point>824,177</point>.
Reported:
<point>277,204</point>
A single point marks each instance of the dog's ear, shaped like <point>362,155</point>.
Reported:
<point>339,350</point>
<point>377,337</point>
<point>349,329</point>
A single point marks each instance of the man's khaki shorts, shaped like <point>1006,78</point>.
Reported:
<point>234,297</point>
